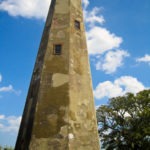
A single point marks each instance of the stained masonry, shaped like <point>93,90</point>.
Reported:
<point>59,112</point>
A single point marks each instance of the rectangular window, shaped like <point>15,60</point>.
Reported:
<point>57,49</point>
<point>77,24</point>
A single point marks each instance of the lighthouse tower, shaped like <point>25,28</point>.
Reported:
<point>59,113</point>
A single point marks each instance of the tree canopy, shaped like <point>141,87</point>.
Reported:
<point>6,148</point>
<point>124,124</point>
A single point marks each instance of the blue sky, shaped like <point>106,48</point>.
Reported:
<point>118,38</point>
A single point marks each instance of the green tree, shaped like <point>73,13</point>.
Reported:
<point>8,148</point>
<point>124,124</point>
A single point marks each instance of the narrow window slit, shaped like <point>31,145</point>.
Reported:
<point>57,49</point>
<point>77,24</point>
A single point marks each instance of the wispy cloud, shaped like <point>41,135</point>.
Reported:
<point>9,123</point>
<point>111,61</point>
<point>8,88</point>
<point>119,87</point>
<point>85,3</point>
<point>92,17</point>
<point>145,59</point>
<point>26,8</point>
<point>2,117</point>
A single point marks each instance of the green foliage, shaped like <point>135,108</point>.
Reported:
<point>124,124</point>
<point>6,148</point>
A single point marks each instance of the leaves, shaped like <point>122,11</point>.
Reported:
<point>6,148</point>
<point>125,122</point>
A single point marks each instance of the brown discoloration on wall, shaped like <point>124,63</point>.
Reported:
<point>59,112</point>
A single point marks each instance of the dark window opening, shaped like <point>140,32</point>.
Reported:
<point>77,24</point>
<point>57,49</point>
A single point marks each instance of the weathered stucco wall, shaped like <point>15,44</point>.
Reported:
<point>59,112</point>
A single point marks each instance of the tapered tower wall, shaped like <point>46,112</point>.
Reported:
<point>82,112</point>
<point>59,113</point>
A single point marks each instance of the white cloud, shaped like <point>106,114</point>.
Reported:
<point>119,87</point>
<point>9,124</point>
<point>8,88</point>
<point>26,8</point>
<point>92,17</point>
<point>85,3</point>
<point>2,117</point>
<point>145,59</point>
<point>112,61</point>
<point>101,40</point>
